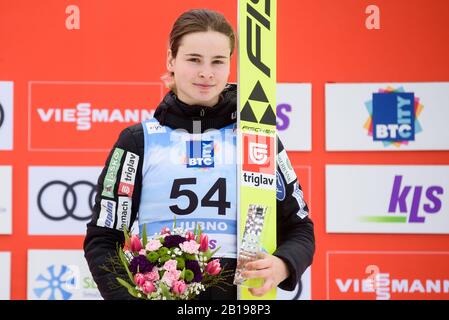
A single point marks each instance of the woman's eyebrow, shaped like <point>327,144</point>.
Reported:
<point>200,56</point>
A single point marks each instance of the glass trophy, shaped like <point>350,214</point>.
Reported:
<point>250,247</point>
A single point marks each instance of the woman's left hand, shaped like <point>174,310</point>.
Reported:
<point>271,269</point>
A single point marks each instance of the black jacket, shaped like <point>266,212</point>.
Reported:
<point>295,235</point>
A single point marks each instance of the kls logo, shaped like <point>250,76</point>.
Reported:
<point>86,115</point>
<point>400,194</point>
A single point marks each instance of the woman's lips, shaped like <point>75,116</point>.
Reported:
<point>203,86</point>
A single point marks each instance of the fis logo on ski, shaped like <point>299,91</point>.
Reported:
<point>393,116</point>
<point>200,154</point>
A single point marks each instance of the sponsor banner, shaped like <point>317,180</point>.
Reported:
<point>294,115</point>
<point>6,200</point>
<point>6,114</point>
<point>387,199</point>
<point>385,275</point>
<point>303,290</point>
<point>61,199</point>
<point>5,276</point>
<point>387,116</point>
<point>86,115</point>
<point>60,275</point>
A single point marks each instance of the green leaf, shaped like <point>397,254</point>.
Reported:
<point>125,265</point>
<point>127,241</point>
<point>144,235</point>
<point>124,283</point>
<point>131,290</point>
<point>165,291</point>
<point>174,222</point>
<point>209,255</point>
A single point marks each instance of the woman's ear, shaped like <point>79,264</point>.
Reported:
<point>170,61</point>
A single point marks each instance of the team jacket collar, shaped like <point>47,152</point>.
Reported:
<point>176,114</point>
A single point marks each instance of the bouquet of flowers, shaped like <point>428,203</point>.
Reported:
<point>171,265</point>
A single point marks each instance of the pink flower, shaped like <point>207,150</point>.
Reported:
<point>153,245</point>
<point>142,252</point>
<point>189,246</point>
<point>179,287</point>
<point>152,275</point>
<point>190,235</point>
<point>165,230</point>
<point>139,279</point>
<point>170,265</point>
<point>213,268</point>
<point>136,245</point>
<point>204,242</point>
<point>148,287</point>
<point>170,276</point>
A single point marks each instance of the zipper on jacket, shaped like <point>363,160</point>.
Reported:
<point>202,112</point>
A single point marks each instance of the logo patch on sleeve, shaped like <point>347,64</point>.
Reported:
<point>111,175</point>
<point>126,186</point>
<point>286,167</point>
<point>123,213</point>
<point>299,196</point>
<point>280,187</point>
<point>107,214</point>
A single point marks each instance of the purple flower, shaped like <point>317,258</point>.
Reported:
<point>141,262</point>
<point>195,268</point>
<point>173,241</point>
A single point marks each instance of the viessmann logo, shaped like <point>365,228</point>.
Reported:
<point>86,115</point>
<point>388,275</point>
<point>83,115</point>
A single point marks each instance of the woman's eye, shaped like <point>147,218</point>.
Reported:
<point>218,62</point>
<point>194,59</point>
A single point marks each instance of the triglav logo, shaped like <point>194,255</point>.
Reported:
<point>393,116</point>
<point>70,199</point>
<point>258,153</point>
<point>258,161</point>
<point>56,285</point>
<point>409,203</point>
<point>84,116</point>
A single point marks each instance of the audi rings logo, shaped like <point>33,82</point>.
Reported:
<point>71,196</point>
<point>2,115</point>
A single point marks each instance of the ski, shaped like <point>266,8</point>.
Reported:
<point>256,140</point>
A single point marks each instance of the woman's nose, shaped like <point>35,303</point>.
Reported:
<point>206,74</point>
